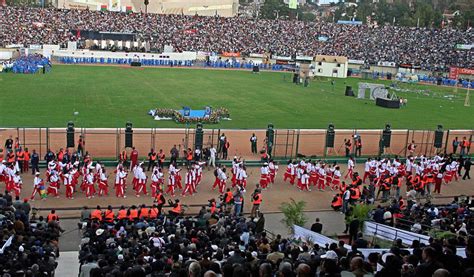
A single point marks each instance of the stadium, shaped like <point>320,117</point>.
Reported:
<point>222,138</point>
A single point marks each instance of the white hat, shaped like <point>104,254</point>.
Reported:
<point>120,257</point>
<point>37,173</point>
<point>265,163</point>
<point>99,232</point>
<point>21,248</point>
<point>330,255</point>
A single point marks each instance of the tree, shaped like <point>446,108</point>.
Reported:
<point>271,8</point>
<point>293,214</point>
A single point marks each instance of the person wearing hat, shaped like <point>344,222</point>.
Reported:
<point>38,185</point>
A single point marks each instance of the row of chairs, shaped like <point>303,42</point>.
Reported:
<point>92,60</point>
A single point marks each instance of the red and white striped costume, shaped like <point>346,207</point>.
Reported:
<point>290,173</point>
<point>120,178</point>
<point>89,184</point>
<point>157,181</point>
<point>350,169</point>
<point>53,187</point>
<point>242,177</point>
<point>68,179</point>
<point>264,176</point>
<point>273,169</point>
<point>17,183</point>
<point>190,186</point>
<point>171,183</point>
<point>103,184</point>
<point>141,182</point>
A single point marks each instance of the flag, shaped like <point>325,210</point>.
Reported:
<point>128,9</point>
<point>103,8</point>
<point>293,4</point>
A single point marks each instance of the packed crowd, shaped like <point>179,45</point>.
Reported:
<point>455,217</point>
<point>218,242</point>
<point>29,244</point>
<point>432,49</point>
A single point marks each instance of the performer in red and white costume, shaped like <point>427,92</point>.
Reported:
<point>103,182</point>
<point>37,184</point>
<point>321,177</point>
<point>17,184</point>
<point>157,181</point>
<point>336,178</point>
<point>141,182</point>
<point>198,172</point>
<point>189,186</point>
<point>171,183</point>
<point>67,179</point>
<point>272,170</point>
<point>263,176</point>
<point>242,176</point>
<point>89,184</point>
<point>290,173</point>
<point>235,167</point>
<point>217,181</point>
<point>223,179</point>
<point>120,177</point>
<point>3,168</point>
<point>53,180</point>
<point>313,174</point>
<point>305,181</point>
<point>350,168</point>
<point>10,174</point>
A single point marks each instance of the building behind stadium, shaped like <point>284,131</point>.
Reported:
<point>225,8</point>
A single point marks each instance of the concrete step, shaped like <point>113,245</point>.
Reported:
<point>68,264</point>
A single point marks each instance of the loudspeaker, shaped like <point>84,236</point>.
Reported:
<point>349,91</point>
<point>389,76</point>
<point>198,138</point>
<point>349,73</point>
<point>439,81</point>
<point>387,135</point>
<point>330,135</point>
<point>70,134</point>
<point>295,78</point>
<point>438,140</point>
<point>128,135</point>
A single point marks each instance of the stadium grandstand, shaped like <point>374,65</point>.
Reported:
<point>431,49</point>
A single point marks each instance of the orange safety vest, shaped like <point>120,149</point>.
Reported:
<point>153,157</point>
<point>190,157</point>
<point>109,215</point>
<point>27,156</point>
<point>228,197</point>
<point>158,198</point>
<point>11,158</point>
<point>133,214</point>
<point>356,194</point>
<point>143,212</point>
<point>257,199</point>
<point>161,156</point>
<point>21,155</point>
<point>52,217</point>
<point>122,214</point>
<point>153,213</point>
<point>338,202</point>
<point>177,208</point>
<point>96,214</point>
<point>213,207</point>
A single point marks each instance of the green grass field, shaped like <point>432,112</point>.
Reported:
<point>110,96</point>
